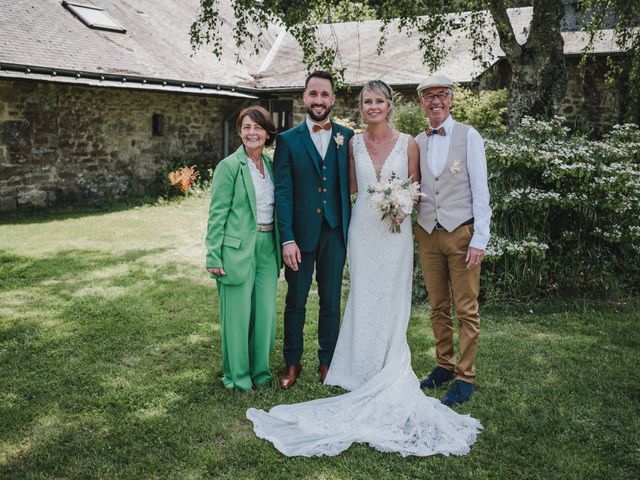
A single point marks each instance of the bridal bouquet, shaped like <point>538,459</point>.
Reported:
<point>394,197</point>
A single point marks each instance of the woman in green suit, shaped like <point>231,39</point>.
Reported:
<point>243,253</point>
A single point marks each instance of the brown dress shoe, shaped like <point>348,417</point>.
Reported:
<point>290,375</point>
<point>323,369</point>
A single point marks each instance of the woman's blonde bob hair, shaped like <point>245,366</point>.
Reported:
<point>378,87</point>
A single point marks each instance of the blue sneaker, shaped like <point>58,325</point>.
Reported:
<point>437,377</point>
<point>458,393</point>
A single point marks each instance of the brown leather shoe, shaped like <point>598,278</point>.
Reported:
<point>290,376</point>
<point>323,369</point>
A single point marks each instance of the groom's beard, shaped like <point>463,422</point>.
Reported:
<point>318,118</point>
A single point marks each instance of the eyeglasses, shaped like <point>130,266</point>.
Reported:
<point>440,96</point>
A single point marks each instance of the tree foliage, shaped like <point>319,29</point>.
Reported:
<point>342,11</point>
<point>300,18</point>
<point>624,17</point>
<point>538,80</point>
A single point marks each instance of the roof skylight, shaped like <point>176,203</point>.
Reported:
<point>94,17</point>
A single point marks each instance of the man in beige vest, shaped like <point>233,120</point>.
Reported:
<point>452,235</point>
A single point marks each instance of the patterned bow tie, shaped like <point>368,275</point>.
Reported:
<point>436,131</point>
<point>316,128</point>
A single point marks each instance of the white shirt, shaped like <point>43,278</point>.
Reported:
<point>437,156</point>
<point>320,138</point>
<point>264,193</point>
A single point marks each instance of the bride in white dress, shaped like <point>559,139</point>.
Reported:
<point>384,406</point>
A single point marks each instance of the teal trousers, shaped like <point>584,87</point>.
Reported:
<point>328,258</point>
<point>248,320</point>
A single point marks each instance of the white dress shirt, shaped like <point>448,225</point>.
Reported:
<point>263,186</point>
<point>320,138</point>
<point>437,155</point>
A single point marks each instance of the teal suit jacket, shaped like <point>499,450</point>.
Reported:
<point>297,178</point>
<point>232,227</point>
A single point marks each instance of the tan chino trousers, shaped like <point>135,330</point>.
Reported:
<point>442,256</point>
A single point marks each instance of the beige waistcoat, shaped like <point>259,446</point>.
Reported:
<point>448,199</point>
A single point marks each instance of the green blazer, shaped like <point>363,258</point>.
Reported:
<point>232,227</point>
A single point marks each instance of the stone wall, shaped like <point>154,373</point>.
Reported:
<point>592,102</point>
<point>68,143</point>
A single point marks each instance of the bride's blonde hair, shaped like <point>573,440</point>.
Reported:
<point>381,88</point>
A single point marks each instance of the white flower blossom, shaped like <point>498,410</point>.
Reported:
<point>394,197</point>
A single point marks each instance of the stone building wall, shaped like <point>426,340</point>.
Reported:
<point>592,104</point>
<point>68,143</point>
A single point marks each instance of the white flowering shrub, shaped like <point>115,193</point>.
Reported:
<point>566,212</point>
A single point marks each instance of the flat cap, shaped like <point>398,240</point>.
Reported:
<point>435,81</point>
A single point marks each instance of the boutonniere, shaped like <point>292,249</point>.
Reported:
<point>455,168</point>
<point>339,138</point>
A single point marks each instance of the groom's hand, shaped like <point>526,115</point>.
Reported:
<point>291,255</point>
<point>474,257</point>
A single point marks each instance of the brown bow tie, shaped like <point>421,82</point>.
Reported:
<point>317,128</point>
<point>436,131</point>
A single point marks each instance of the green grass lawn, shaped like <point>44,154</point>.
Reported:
<point>110,368</point>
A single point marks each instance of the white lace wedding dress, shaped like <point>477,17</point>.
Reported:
<point>385,406</point>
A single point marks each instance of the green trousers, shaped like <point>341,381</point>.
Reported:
<point>248,320</point>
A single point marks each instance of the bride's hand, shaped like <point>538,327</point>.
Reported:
<point>398,219</point>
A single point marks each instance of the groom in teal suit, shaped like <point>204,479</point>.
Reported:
<point>313,210</point>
